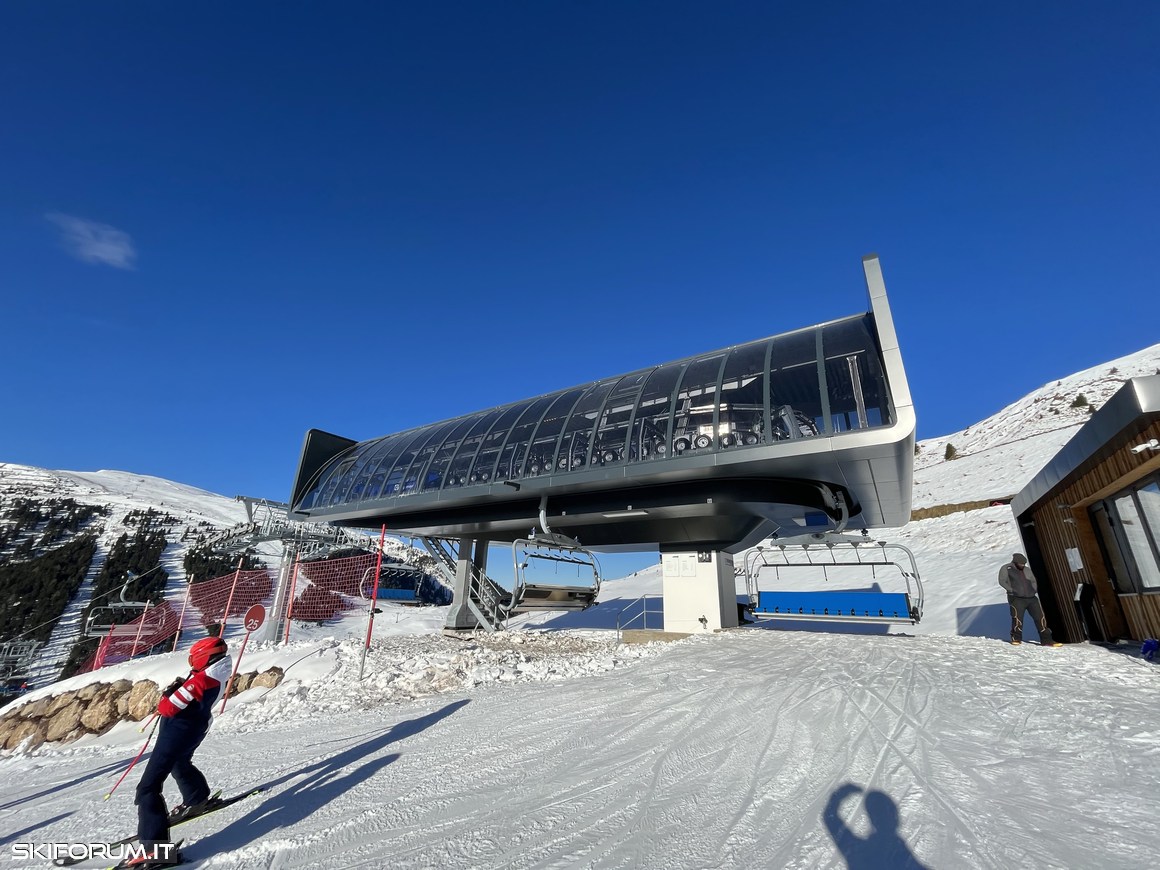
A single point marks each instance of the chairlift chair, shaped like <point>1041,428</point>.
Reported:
<point>541,553</point>
<point>825,551</point>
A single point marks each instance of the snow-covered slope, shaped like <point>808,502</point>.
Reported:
<point>124,492</point>
<point>551,747</point>
<point>121,495</point>
<point>999,455</point>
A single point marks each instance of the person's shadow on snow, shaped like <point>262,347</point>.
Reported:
<point>321,785</point>
<point>882,848</point>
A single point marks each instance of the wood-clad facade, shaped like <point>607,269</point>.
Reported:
<point>1092,517</point>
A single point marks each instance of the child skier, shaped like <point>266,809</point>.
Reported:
<point>186,708</point>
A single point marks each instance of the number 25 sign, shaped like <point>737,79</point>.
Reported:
<point>255,616</point>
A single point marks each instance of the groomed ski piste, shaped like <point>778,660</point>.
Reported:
<point>937,745</point>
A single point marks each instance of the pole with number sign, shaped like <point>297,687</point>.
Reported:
<point>253,620</point>
<point>374,601</point>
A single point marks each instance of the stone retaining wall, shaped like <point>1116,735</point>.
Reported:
<point>97,707</point>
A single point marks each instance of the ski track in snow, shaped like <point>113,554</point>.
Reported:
<point>557,750</point>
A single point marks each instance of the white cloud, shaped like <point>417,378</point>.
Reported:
<point>93,242</point>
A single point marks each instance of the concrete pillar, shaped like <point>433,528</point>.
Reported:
<point>700,591</point>
<point>472,557</point>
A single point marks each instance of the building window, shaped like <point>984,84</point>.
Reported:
<point>1109,547</point>
<point>1129,527</point>
<point>1140,518</point>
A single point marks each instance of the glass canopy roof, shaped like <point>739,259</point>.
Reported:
<point>825,380</point>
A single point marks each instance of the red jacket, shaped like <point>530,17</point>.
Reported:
<point>193,700</point>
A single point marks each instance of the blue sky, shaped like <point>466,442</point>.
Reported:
<point>223,224</point>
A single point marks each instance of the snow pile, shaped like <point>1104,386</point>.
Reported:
<point>403,668</point>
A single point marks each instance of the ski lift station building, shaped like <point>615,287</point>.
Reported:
<point>808,431</point>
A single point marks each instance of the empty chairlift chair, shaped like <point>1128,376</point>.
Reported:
<point>553,572</point>
<point>398,582</point>
<point>805,569</point>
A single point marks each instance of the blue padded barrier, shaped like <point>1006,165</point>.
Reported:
<point>835,605</point>
<point>397,594</point>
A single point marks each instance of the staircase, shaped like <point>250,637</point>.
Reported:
<point>492,605</point>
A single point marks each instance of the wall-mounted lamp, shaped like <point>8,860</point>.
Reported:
<point>1154,444</point>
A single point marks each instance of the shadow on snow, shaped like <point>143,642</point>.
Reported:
<point>882,848</point>
<point>324,782</point>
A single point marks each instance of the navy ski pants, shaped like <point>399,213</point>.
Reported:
<point>172,754</point>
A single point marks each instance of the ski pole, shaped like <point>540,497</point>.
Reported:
<point>145,746</point>
<point>152,719</point>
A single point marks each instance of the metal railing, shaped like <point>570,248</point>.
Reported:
<point>489,601</point>
<point>622,624</point>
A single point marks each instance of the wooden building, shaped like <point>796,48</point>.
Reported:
<point>1090,522</point>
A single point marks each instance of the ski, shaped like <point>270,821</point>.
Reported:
<point>214,804</point>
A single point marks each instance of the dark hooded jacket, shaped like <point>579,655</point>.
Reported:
<point>1019,582</point>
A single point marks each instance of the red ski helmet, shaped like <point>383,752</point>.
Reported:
<point>205,652</point>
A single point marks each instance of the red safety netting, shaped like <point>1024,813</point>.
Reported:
<point>319,591</point>
<point>157,625</point>
<point>229,596</point>
<point>322,590</point>
<point>202,607</point>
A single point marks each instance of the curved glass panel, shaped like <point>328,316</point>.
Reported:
<point>459,473</point>
<point>855,382</point>
<point>577,436</point>
<point>742,416</point>
<point>542,458</point>
<point>354,485</point>
<point>403,460</point>
<point>515,452</point>
<point>328,479</point>
<point>795,392</point>
<point>612,432</point>
<point>484,466</point>
<point>650,427</point>
<point>340,478</point>
<point>416,477</point>
<point>437,470</point>
<point>377,473</point>
<point>376,469</point>
<point>697,406</point>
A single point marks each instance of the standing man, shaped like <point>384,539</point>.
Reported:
<point>186,710</point>
<point>1022,596</point>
